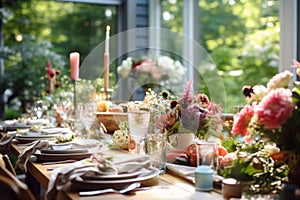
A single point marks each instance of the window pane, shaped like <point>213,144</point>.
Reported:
<point>241,36</point>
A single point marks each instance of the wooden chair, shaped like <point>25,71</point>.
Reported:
<point>8,189</point>
<point>7,164</point>
<point>12,188</point>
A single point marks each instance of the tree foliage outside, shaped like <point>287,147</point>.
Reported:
<point>242,38</point>
<point>46,30</point>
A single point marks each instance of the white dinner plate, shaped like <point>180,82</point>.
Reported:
<point>37,135</point>
<point>46,157</point>
<point>55,130</point>
<point>94,176</point>
<point>69,151</point>
<point>82,184</point>
<point>14,128</point>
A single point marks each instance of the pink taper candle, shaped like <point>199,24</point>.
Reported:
<point>106,60</point>
<point>74,65</point>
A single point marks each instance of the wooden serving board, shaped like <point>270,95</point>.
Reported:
<point>111,120</point>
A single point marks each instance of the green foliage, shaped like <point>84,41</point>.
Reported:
<point>230,144</point>
<point>241,169</point>
<point>49,30</point>
<point>254,165</point>
<point>25,68</point>
<point>12,113</point>
<point>240,36</point>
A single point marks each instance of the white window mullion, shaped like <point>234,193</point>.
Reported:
<point>154,26</point>
<point>190,27</point>
<point>288,33</point>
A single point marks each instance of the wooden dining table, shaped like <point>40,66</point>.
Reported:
<point>164,186</point>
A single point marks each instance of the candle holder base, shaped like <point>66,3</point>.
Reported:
<point>104,94</point>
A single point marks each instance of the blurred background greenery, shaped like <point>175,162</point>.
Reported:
<point>241,36</point>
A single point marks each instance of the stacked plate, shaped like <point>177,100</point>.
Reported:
<point>47,156</point>
<point>14,125</point>
<point>26,136</point>
<point>75,150</point>
<point>119,181</point>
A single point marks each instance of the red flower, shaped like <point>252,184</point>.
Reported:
<point>203,99</point>
<point>50,71</point>
<point>57,72</point>
<point>136,64</point>
<point>48,91</point>
<point>173,104</point>
<point>57,85</point>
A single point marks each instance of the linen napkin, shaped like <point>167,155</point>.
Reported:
<point>6,141</point>
<point>28,151</point>
<point>122,163</point>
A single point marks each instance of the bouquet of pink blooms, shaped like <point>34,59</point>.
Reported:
<point>273,112</point>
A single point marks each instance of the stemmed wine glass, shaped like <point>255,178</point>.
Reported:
<point>38,109</point>
<point>138,121</point>
<point>86,114</point>
<point>63,108</point>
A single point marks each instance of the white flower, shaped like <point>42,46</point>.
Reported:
<point>259,92</point>
<point>165,63</point>
<point>280,80</point>
<point>125,68</point>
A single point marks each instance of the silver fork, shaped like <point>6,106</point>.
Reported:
<point>111,190</point>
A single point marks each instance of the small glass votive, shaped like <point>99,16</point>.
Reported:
<point>156,148</point>
<point>208,154</point>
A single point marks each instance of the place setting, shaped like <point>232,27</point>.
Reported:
<point>103,171</point>
<point>23,123</point>
<point>76,149</point>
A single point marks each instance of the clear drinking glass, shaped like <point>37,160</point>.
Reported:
<point>138,121</point>
<point>156,148</point>
<point>207,154</point>
<point>38,109</point>
<point>64,108</point>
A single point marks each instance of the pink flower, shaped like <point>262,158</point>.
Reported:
<point>240,125</point>
<point>297,66</point>
<point>156,73</point>
<point>168,120</point>
<point>275,108</point>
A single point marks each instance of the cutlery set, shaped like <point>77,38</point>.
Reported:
<point>128,188</point>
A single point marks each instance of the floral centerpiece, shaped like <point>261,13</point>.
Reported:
<point>190,113</point>
<point>163,71</point>
<point>273,114</point>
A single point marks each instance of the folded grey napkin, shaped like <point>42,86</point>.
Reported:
<point>28,151</point>
<point>121,163</point>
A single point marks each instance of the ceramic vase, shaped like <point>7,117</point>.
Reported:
<point>181,140</point>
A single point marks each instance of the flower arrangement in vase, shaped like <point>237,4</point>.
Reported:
<point>273,114</point>
<point>187,114</point>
